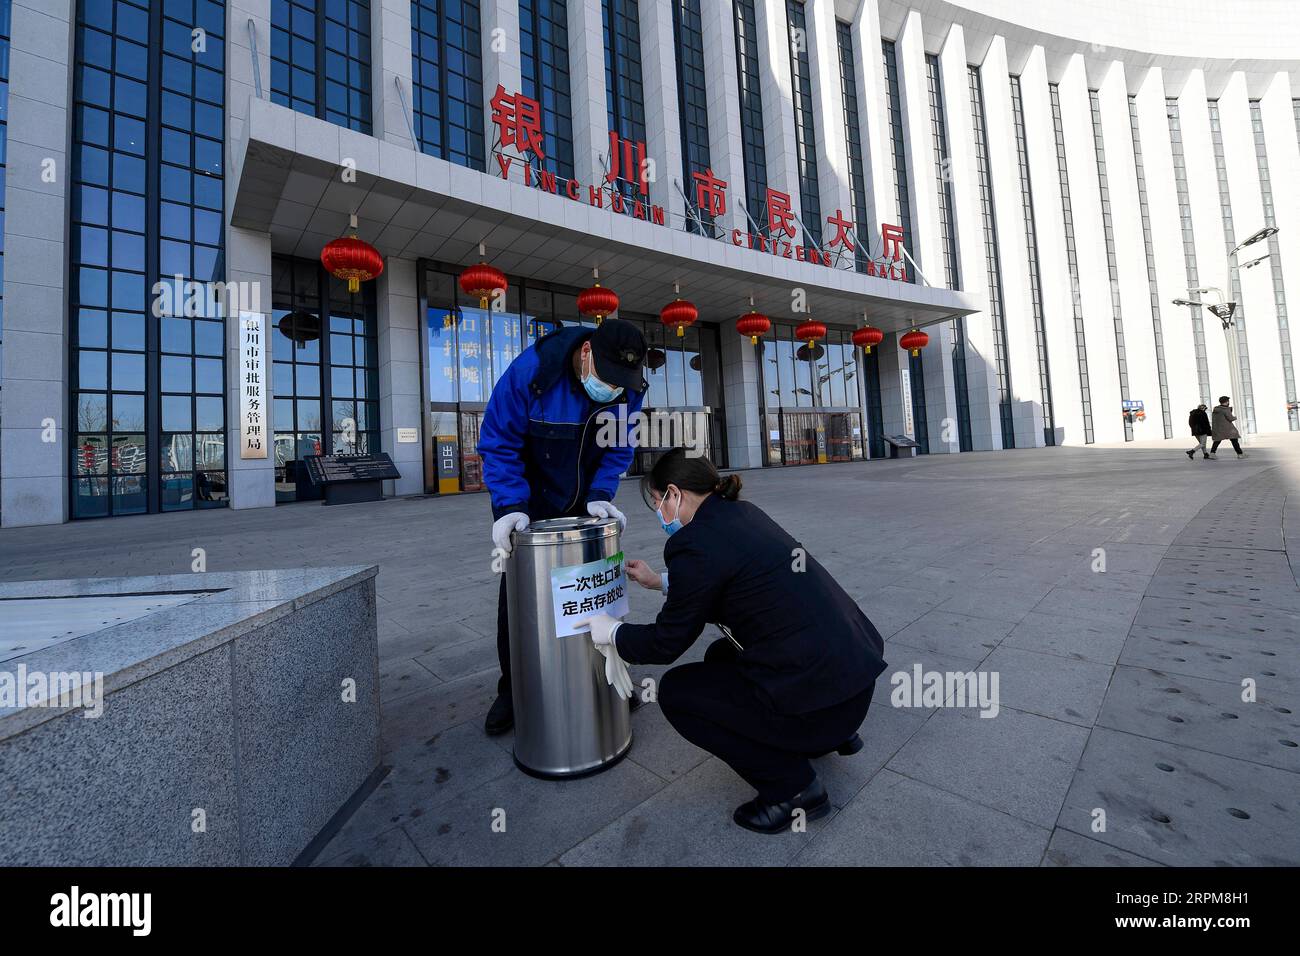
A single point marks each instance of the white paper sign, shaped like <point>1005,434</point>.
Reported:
<point>909,423</point>
<point>253,418</point>
<point>581,591</point>
<point>408,435</point>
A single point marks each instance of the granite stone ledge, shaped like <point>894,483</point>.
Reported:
<point>236,704</point>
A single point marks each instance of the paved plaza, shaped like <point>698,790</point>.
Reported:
<point>1121,737</point>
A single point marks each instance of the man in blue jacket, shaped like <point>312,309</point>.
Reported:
<point>538,440</point>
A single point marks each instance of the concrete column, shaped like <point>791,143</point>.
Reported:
<point>33,436</point>
<point>1053,266</point>
<point>399,373</point>
<point>1282,145</point>
<point>1013,250</point>
<point>828,104</point>
<point>981,375</point>
<point>927,244</point>
<point>782,149</point>
<point>502,65</point>
<point>1256,306</point>
<point>248,260</point>
<point>1207,224</point>
<point>1094,295</point>
<point>1167,245</point>
<point>241,75</point>
<point>726,151</point>
<point>872,119</point>
<point>745,426</point>
<point>662,119</point>
<point>390,55</point>
<point>587,70</point>
<point>893,402</point>
<point>1130,253</point>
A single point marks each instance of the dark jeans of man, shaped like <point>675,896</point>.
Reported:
<point>714,707</point>
<point>1236,445</point>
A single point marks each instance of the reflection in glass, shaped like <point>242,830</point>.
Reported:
<point>129,455</point>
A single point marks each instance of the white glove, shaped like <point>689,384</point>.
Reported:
<point>502,528</point>
<point>606,509</point>
<point>603,628</point>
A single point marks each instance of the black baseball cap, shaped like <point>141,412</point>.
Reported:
<point>618,348</point>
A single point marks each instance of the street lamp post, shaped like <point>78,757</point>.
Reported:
<point>1225,308</point>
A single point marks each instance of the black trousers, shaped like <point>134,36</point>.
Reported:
<point>503,641</point>
<point>714,707</point>
<point>1236,445</point>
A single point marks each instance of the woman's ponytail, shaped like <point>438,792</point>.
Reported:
<point>728,488</point>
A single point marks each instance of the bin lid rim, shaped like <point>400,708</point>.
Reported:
<point>566,530</point>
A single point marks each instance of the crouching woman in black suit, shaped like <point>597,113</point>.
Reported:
<point>792,678</point>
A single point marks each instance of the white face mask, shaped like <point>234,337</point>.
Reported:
<point>676,524</point>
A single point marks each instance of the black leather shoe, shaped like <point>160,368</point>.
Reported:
<point>774,817</point>
<point>850,746</point>
<point>501,716</point>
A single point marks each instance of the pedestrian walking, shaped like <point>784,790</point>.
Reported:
<point>1199,422</point>
<point>1222,428</point>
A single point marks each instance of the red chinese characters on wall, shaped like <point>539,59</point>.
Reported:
<point>518,120</point>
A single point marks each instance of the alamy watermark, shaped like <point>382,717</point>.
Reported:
<point>657,429</point>
<point>29,688</point>
<point>922,688</point>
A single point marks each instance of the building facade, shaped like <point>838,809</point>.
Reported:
<point>1056,195</point>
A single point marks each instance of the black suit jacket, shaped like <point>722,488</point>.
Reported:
<point>805,644</point>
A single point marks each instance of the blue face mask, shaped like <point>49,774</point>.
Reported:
<point>670,526</point>
<point>599,391</point>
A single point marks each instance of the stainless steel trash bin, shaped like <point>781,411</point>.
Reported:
<point>568,720</point>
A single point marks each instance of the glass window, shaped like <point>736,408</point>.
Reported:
<point>804,123</point>
<point>624,100</point>
<point>544,61</point>
<point>692,101</point>
<point>751,111</point>
<point>320,60</point>
<point>447,80</point>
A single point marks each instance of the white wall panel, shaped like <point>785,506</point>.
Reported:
<point>1094,284</point>
<point>1053,267</point>
<point>1130,251</point>
<point>927,243</point>
<point>1013,258</point>
<point>1203,189</point>
<point>1256,303</point>
<point>1282,144</point>
<point>1167,244</point>
<point>981,378</point>
<point>726,150</point>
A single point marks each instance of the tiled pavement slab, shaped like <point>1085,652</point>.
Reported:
<point>1206,715</point>
<point>1070,849</point>
<point>984,562</point>
<point>898,821</point>
<point>1016,762</point>
<point>1184,807</point>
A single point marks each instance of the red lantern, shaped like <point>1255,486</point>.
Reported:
<point>352,259</point>
<point>679,314</point>
<point>866,337</point>
<point>753,324</point>
<point>914,341</point>
<point>482,281</point>
<point>810,332</point>
<point>597,302</point>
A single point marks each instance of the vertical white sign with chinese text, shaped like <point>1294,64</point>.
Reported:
<point>253,394</point>
<point>905,381</point>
